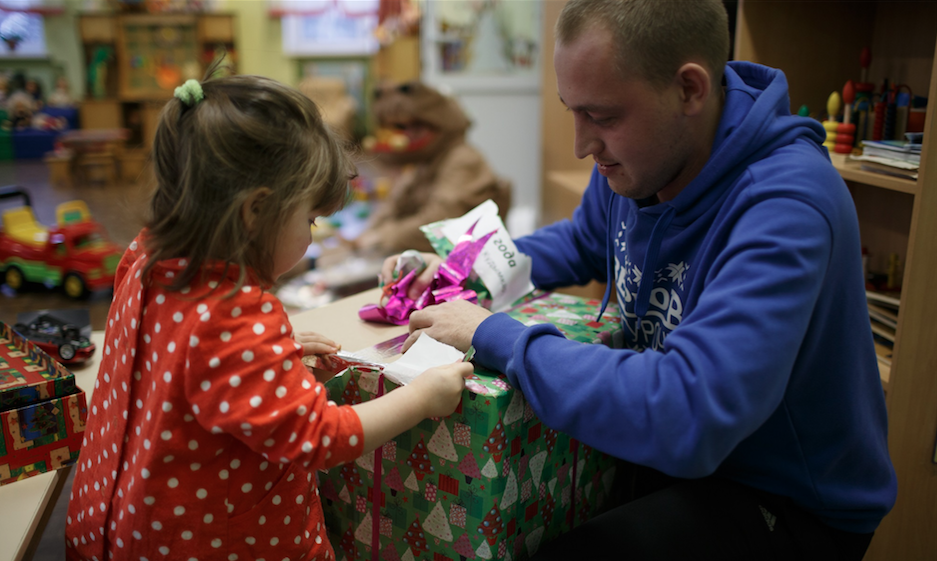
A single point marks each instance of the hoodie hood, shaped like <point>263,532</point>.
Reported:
<point>756,121</point>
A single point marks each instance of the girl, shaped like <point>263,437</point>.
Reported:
<point>205,427</point>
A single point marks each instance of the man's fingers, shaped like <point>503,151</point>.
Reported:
<point>410,340</point>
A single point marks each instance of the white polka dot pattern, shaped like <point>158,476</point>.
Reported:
<point>177,487</point>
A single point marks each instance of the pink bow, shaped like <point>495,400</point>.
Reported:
<point>446,284</point>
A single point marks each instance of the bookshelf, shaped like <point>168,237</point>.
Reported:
<point>817,44</point>
<point>151,54</point>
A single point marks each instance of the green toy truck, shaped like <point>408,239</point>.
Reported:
<point>74,254</point>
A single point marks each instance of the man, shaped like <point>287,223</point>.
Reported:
<point>749,391</point>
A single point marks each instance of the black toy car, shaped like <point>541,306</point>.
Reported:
<point>61,340</point>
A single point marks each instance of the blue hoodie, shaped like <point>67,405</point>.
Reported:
<point>750,352</point>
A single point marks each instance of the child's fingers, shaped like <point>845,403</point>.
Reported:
<point>313,337</point>
<point>466,369</point>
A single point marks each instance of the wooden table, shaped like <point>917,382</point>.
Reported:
<point>94,148</point>
<point>25,506</point>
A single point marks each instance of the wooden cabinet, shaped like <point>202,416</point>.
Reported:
<point>817,45</point>
<point>139,60</point>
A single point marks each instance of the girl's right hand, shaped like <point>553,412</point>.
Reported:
<point>420,283</point>
<point>439,389</point>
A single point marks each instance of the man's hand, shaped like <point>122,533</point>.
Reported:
<point>453,323</point>
<point>420,283</point>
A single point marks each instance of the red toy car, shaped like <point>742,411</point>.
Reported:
<point>74,254</point>
<point>59,339</point>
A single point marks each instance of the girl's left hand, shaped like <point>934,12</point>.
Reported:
<point>319,346</point>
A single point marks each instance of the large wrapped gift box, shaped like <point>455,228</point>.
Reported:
<point>490,481</point>
<point>42,411</point>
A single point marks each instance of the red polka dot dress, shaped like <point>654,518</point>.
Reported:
<point>204,428</point>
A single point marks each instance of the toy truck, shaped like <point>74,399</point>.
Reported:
<point>75,254</point>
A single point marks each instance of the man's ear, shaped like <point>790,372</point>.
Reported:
<point>250,209</point>
<point>695,86</point>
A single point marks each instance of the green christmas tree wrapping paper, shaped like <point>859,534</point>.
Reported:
<point>490,481</point>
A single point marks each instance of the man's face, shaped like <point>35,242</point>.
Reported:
<point>634,132</point>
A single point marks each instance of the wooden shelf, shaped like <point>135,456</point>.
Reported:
<point>817,44</point>
<point>852,171</point>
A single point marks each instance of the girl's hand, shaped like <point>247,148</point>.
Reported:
<point>439,389</point>
<point>318,346</point>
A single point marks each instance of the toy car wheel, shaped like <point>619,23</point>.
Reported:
<point>14,278</point>
<point>74,286</point>
<point>67,351</point>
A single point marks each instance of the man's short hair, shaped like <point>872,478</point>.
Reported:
<point>654,37</point>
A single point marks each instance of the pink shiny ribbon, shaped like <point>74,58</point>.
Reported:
<point>447,284</point>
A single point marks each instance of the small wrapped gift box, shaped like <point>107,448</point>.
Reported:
<point>489,482</point>
<point>42,411</point>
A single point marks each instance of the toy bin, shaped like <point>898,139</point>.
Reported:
<point>42,411</point>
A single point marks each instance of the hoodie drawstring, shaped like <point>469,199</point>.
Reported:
<point>643,299</point>
<point>609,276</point>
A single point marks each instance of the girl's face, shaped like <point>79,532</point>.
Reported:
<point>295,236</point>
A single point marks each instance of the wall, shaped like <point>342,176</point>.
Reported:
<point>259,41</point>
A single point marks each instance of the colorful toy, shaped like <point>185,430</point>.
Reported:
<point>839,136</point>
<point>61,340</point>
<point>74,254</point>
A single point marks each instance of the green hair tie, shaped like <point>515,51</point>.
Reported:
<point>190,92</point>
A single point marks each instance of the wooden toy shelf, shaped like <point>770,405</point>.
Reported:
<point>152,54</point>
<point>817,45</point>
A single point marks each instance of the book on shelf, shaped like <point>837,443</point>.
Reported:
<point>884,332</point>
<point>883,315</point>
<point>893,150</point>
<point>887,169</point>
<point>888,300</point>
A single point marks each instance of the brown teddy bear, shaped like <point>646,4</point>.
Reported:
<point>422,134</point>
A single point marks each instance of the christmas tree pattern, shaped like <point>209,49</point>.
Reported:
<point>441,444</point>
<point>415,537</point>
<point>393,481</point>
<point>515,409</point>
<point>547,508</point>
<point>469,467</point>
<point>436,524</point>
<point>368,380</point>
<point>350,474</point>
<point>389,553</point>
<point>419,460</point>
<point>366,461</point>
<point>492,525</point>
<point>483,551</point>
<point>533,540</point>
<point>363,533</point>
<point>411,483</point>
<point>510,491</point>
<point>536,466</point>
<point>348,544</point>
<point>549,438</point>
<point>328,491</point>
<point>463,547</point>
<point>352,394</point>
<point>496,442</point>
<point>490,470</point>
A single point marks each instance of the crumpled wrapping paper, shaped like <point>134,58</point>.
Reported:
<point>448,284</point>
